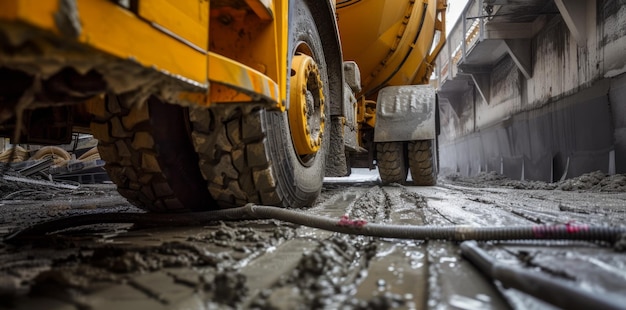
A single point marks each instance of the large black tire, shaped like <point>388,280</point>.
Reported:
<point>423,162</point>
<point>247,154</point>
<point>149,154</point>
<point>391,158</point>
<point>337,164</point>
<point>231,142</point>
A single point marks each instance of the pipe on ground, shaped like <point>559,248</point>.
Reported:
<point>557,292</point>
<point>343,225</point>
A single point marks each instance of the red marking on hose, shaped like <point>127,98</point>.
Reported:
<point>539,231</point>
<point>346,221</point>
<point>543,231</point>
<point>572,228</point>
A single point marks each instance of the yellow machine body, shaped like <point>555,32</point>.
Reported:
<point>391,41</point>
<point>184,39</point>
<point>105,26</point>
<point>204,53</point>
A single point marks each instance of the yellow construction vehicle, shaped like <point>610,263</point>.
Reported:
<point>203,104</point>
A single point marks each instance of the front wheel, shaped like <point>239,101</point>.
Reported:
<point>252,155</point>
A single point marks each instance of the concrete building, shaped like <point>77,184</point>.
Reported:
<point>535,89</point>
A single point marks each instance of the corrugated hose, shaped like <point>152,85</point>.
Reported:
<point>569,231</point>
<point>552,290</point>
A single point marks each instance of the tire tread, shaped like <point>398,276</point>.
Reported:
<point>233,156</point>
<point>421,162</point>
<point>391,161</point>
<point>127,147</point>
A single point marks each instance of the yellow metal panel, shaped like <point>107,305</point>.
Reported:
<point>8,9</point>
<point>264,9</point>
<point>188,19</point>
<point>425,41</point>
<point>113,30</point>
<point>235,75</point>
<point>36,12</point>
<point>117,31</point>
<point>281,28</point>
<point>245,38</point>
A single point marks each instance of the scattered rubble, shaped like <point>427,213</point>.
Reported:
<point>273,265</point>
<point>14,186</point>
<point>50,167</point>
<point>596,181</point>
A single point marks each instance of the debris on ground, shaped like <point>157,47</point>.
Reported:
<point>14,186</point>
<point>596,181</point>
<point>268,264</point>
<point>49,168</point>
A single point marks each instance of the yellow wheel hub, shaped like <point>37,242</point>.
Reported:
<point>306,105</point>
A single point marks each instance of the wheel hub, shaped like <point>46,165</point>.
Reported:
<point>306,106</point>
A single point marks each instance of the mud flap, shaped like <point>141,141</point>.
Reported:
<point>406,113</point>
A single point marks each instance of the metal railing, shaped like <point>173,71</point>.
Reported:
<point>467,30</point>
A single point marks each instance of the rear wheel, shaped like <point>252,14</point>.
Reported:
<point>250,155</point>
<point>423,162</point>
<point>391,158</point>
<point>149,155</point>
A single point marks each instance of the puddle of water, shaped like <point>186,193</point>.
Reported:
<point>480,302</point>
<point>447,259</point>
<point>455,283</point>
<point>397,269</point>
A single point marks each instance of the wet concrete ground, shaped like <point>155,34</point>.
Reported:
<point>268,264</point>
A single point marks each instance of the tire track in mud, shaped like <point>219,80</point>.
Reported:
<point>395,276</point>
<point>162,268</point>
<point>406,274</point>
<point>344,271</point>
<point>318,269</point>
<point>153,268</point>
<point>271,264</point>
<point>453,207</point>
<point>443,279</point>
<point>545,206</point>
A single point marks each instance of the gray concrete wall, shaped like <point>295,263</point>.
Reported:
<point>571,136</point>
<point>617,99</point>
<point>611,25</point>
<point>569,118</point>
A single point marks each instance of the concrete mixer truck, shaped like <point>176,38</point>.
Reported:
<point>201,105</point>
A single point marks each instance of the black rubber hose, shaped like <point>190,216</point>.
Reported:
<point>342,225</point>
<point>552,290</point>
<point>456,233</point>
<point>142,219</point>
